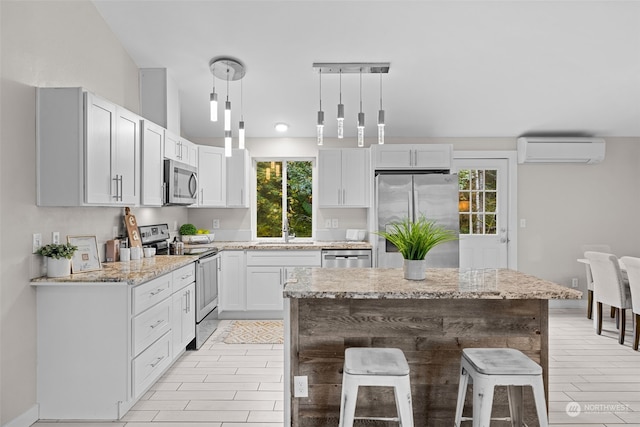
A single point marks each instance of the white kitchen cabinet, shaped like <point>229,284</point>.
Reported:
<point>264,288</point>
<point>88,150</point>
<point>184,317</point>
<point>238,169</point>
<point>152,186</point>
<point>412,156</point>
<point>232,287</point>
<point>343,178</point>
<point>180,149</point>
<point>212,165</point>
<point>101,345</point>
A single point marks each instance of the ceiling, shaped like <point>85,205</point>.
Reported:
<point>457,68</point>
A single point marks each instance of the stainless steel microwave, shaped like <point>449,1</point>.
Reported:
<point>180,182</point>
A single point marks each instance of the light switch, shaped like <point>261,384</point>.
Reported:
<point>335,223</point>
<point>327,223</point>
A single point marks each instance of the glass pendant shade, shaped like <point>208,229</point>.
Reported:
<point>320,128</point>
<point>241,135</point>
<point>227,116</point>
<point>381,127</point>
<point>341,121</point>
<point>213,98</point>
<point>227,143</point>
<point>361,129</point>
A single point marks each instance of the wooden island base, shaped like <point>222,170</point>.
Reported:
<point>430,332</point>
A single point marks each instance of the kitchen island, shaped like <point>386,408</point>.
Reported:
<point>431,321</point>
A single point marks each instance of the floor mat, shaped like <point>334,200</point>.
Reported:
<point>255,332</point>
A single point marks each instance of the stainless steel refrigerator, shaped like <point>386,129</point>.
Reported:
<point>409,195</point>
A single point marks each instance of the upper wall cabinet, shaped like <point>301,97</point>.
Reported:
<point>88,150</point>
<point>211,177</point>
<point>238,168</point>
<point>152,185</point>
<point>343,177</point>
<point>414,156</point>
<point>180,149</point>
<point>159,98</point>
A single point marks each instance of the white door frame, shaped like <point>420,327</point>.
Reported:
<point>512,208</point>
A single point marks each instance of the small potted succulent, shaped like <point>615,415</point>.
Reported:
<point>414,239</point>
<point>58,258</point>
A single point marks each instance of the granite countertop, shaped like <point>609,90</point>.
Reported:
<point>291,246</point>
<point>441,283</point>
<point>130,272</point>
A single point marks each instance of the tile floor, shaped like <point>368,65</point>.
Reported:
<point>226,385</point>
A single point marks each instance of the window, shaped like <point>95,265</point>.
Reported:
<point>284,187</point>
<point>477,201</point>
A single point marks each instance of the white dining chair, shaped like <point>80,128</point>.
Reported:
<point>592,248</point>
<point>609,288</point>
<point>632,265</point>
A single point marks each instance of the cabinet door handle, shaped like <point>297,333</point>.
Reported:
<point>110,191</point>
<point>156,292</point>
<point>339,195</point>
<point>241,197</point>
<point>121,192</point>
<point>158,323</point>
<point>186,302</point>
<point>185,276</point>
<point>155,362</point>
<point>344,197</point>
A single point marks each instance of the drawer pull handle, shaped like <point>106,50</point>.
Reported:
<point>186,276</point>
<point>156,292</point>
<point>158,360</point>
<point>158,323</point>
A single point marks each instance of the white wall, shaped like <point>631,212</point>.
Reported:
<point>47,43</point>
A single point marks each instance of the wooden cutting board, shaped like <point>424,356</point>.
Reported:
<point>132,229</point>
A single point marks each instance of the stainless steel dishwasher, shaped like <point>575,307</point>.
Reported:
<point>346,258</point>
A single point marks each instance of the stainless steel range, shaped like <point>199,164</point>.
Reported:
<point>207,278</point>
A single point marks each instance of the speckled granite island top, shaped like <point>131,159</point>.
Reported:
<point>291,246</point>
<point>441,283</point>
<point>130,272</point>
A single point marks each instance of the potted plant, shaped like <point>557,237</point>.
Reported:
<point>58,258</point>
<point>414,239</point>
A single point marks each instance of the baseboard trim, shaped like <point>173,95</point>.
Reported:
<point>25,419</point>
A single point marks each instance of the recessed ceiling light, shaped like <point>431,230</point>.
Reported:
<point>282,127</point>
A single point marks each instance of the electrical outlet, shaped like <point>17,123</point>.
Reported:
<point>36,242</point>
<point>55,237</point>
<point>574,282</point>
<point>335,223</point>
<point>216,224</point>
<point>327,223</point>
<point>300,386</point>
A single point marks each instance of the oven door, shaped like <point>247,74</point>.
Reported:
<point>207,286</point>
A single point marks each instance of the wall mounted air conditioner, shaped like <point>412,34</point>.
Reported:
<point>560,150</point>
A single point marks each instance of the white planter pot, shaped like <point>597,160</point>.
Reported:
<point>58,267</point>
<point>415,269</point>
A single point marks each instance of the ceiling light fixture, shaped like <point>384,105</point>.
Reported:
<point>213,99</point>
<point>361,118</point>
<point>340,112</point>
<point>361,68</point>
<point>381,117</point>
<point>320,123</point>
<point>230,70</point>
<point>241,124</point>
<point>281,127</point>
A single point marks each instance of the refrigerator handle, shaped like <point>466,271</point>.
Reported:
<point>410,205</point>
<point>416,205</point>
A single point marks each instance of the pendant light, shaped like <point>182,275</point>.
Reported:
<point>381,117</point>
<point>361,118</point>
<point>241,124</point>
<point>340,112</point>
<point>227,122</point>
<point>213,100</point>
<point>320,123</point>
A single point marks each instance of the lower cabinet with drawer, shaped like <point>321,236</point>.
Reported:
<point>101,345</point>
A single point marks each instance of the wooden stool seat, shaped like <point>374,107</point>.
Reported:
<point>487,368</point>
<point>384,367</point>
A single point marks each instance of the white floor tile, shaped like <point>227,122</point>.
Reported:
<point>237,416</point>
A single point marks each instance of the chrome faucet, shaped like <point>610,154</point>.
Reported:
<point>285,230</point>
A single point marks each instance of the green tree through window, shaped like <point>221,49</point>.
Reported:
<point>284,186</point>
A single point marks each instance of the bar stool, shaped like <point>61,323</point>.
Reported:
<point>490,367</point>
<point>364,366</point>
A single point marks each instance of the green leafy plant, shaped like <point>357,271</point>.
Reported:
<point>57,251</point>
<point>414,239</point>
<point>188,229</point>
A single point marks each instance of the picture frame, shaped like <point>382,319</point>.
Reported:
<point>86,258</point>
